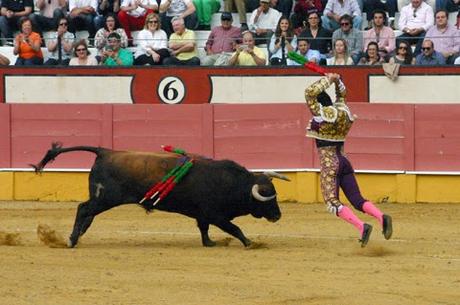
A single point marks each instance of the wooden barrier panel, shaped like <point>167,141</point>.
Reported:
<point>381,137</point>
<point>147,127</point>
<point>35,127</point>
<point>437,138</point>
<point>5,140</point>
<point>263,136</point>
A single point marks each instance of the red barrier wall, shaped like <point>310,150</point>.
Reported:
<point>384,137</point>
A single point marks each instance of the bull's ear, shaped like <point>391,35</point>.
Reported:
<point>272,174</point>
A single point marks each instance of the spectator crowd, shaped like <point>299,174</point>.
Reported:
<point>326,32</point>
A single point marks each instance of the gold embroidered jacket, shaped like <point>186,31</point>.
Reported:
<point>330,123</point>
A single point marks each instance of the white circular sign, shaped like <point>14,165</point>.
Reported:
<point>171,90</point>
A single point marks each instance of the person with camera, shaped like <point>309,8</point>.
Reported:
<point>247,54</point>
<point>60,45</point>
<point>282,41</point>
<point>114,55</point>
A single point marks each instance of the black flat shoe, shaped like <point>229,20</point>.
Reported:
<point>387,226</point>
<point>366,235</point>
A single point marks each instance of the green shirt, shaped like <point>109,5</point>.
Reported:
<point>124,55</point>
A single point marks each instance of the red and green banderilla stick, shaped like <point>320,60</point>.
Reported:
<point>307,64</point>
<point>168,182</point>
<point>172,181</point>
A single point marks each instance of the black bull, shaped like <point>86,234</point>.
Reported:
<point>213,192</point>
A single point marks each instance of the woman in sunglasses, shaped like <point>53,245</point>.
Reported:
<point>403,54</point>
<point>111,25</point>
<point>152,46</point>
<point>60,45</point>
<point>81,54</point>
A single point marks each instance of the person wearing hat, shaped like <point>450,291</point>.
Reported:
<point>221,42</point>
<point>329,127</point>
<point>263,22</point>
<point>114,55</point>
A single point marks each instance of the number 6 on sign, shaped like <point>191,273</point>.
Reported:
<point>171,90</point>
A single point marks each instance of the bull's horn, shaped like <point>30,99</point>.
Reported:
<point>276,175</point>
<point>256,195</point>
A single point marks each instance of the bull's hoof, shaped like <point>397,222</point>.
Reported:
<point>71,244</point>
<point>255,245</point>
<point>209,243</point>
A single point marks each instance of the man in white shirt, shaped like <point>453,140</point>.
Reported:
<point>184,9</point>
<point>81,15</point>
<point>263,22</point>
<point>133,13</point>
<point>335,9</point>
<point>415,19</point>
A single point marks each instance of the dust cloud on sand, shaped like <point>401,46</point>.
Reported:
<point>50,237</point>
<point>10,239</point>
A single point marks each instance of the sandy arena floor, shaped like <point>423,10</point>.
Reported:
<point>308,257</point>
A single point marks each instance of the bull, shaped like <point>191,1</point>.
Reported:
<point>213,192</point>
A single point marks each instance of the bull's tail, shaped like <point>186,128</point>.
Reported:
<point>57,149</point>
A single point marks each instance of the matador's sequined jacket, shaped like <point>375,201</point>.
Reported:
<point>330,123</point>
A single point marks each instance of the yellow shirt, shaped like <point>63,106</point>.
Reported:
<point>187,36</point>
<point>246,59</point>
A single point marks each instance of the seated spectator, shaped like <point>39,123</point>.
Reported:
<point>27,45</point>
<point>152,48</point>
<point>403,54</point>
<point>4,61</point>
<point>81,16</point>
<point>183,45</point>
<point>82,57</point>
<point>302,9</point>
<point>371,57</point>
<point>352,36</point>
<point>335,9</point>
<point>241,8</point>
<point>133,13</point>
<point>319,37</point>
<point>247,54</point>
<point>386,6</point>
<point>340,56</point>
<point>448,5</point>
<point>60,45</point>
<point>303,48</point>
<point>114,55</point>
<point>204,11</point>
<point>445,37</point>
<point>429,56</point>
<point>51,11</point>
<point>221,42</point>
<point>380,33</point>
<point>414,20</point>
<point>11,13</point>
<point>263,22</point>
<point>178,8</point>
<point>111,25</point>
<point>282,42</point>
<point>104,8</point>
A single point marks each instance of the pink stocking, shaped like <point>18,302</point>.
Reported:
<point>371,209</point>
<point>347,214</point>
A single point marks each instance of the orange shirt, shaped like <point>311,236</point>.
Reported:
<point>26,51</point>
